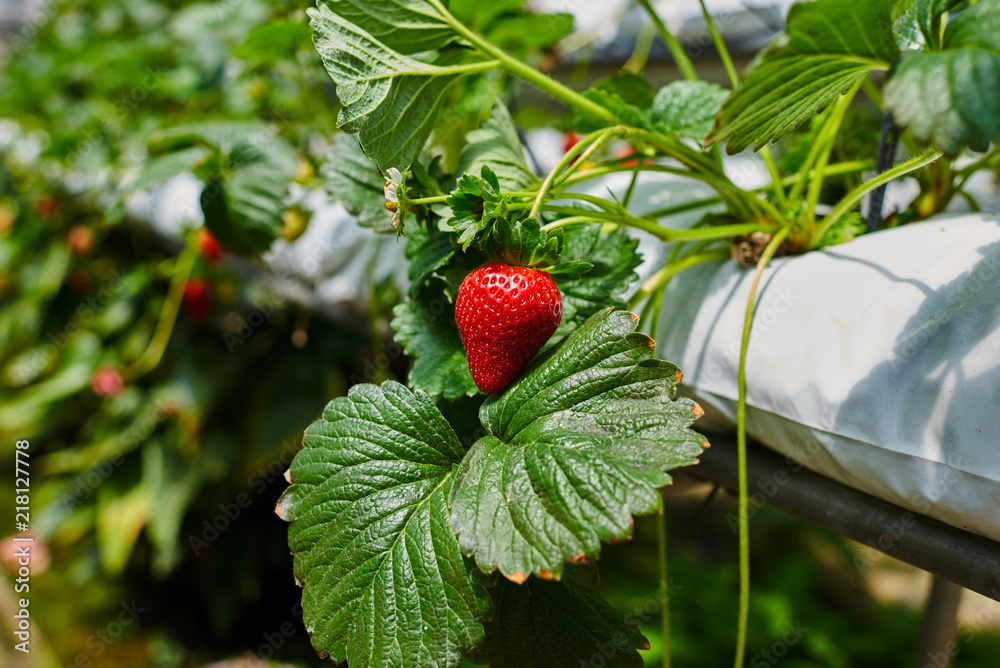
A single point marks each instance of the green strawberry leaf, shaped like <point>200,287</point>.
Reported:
<point>405,26</point>
<point>919,26</point>
<point>163,167</point>
<point>562,624</point>
<point>687,108</point>
<point>570,270</point>
<point>497,144</point>
<point>943,96</point>
<point>223,136</point>
<point>243,206</point>
<point>427,253</point>
<point>384,582</point>
<point>428,333</point>
<point>614,259</point>
<point>829,47</point>
<point>524,243</point>
<point>529,30</point>
<point>576,446</point>
<point>626,95</point>
<point>391,101</point>
<point>354,181</point>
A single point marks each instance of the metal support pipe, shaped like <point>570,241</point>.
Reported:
<point>936,645</point>
<point>964,558</point>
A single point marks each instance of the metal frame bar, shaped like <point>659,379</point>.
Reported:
<point>962,557</point>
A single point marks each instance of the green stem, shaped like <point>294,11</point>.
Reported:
<point>168,316</point>
<point>465,68</point>
<point>631,186</point>
<point>829,127</point>
<point>826,140</point>
<point>640,52</point>
<point>720,46</point>
<point>872,91</point>
<point>776,184</point>
<point>835,169</point>
<point>563,222</point>
<point>683,62</point>
<point>428,200</point>
<point>598,142</point>
<point>625,219</point>
<point>526,72</point>
<point>593,139</point>
<point>378,344</point>
<point>661,536</point>
<point>743,204</point>
<point>660,278</point>
<point>852,198</point>
<point>741,439</point>
<point>681,208</point>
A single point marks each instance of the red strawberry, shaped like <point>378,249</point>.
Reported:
<point>47,207</point>
<point>571,139</point>
<point>107,381</point>
<point>197,301</point>
<point>80,240</point>
<point>208,246</point>
<point>505,315</point>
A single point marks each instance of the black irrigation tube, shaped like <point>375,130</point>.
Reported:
<point>965,558</point>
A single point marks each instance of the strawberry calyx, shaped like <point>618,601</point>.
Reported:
<point>525,244</point>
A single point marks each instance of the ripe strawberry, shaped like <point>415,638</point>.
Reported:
<point>197,301</point>
<point>208,246</point>
<point>47,207</point>
<point>107,381</point>
<point>505,315</point>
<point>80,240</point>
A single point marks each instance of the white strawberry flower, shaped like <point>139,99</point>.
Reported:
<point>392,181</point>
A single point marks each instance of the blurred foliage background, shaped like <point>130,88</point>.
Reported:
<point>158,447</point>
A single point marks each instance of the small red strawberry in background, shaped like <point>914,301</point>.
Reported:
<point>197,302</point>
<point>505,315</point>
<point>107,381</point>
<point>80,240</point>
<point>208,246</point>
<point>571,139</point>
<point>47,207</point>
<point>625,152</point>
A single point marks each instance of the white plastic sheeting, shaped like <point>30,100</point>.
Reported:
<point>875,363</point>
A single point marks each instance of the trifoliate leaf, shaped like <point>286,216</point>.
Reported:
<point>405,26</point>
<point>390,101</point>
<point>354,181</point>
<point>951,98</point>
<point>562,624</point>
<point>830,46</point>
<point>687,108</point>
<point>428,333</point>
<point>614,259</point>
<point>496,143</point>
<point>244,205</point>
<point>577,445</point>
<point>383,580</point>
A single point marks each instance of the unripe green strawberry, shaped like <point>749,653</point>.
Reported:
<point>505,315</point>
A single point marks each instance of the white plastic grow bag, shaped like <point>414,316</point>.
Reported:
<point>875,363</point>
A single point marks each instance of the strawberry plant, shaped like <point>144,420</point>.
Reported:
<point>421,535</point>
